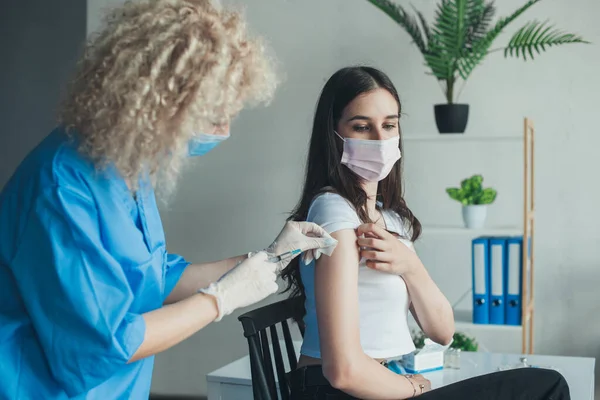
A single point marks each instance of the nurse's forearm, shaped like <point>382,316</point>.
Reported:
<point>198,276</point>
<point>171,324</point>
<point>429,305</point>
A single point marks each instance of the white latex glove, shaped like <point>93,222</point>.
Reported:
<point>311,239</point>
<point>249,282</point>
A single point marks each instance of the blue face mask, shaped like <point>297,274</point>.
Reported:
<point>202,143</point>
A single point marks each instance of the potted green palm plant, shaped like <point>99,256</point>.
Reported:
<point>461,37</point>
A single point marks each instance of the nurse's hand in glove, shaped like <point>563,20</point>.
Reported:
<point>309,238</point>
<point>384,252</point>
<point>249,282</point>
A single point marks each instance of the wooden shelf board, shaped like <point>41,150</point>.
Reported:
<point>463,319</point>
<point>493,338</point>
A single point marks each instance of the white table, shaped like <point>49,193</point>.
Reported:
<point>234,382</point>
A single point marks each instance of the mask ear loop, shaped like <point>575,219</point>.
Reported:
<point>338,135</point>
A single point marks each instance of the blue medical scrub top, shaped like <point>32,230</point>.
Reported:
<point>80,261</point>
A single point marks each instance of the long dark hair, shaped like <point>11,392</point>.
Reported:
<point>324,170</point>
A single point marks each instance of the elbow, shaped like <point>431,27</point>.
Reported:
<point>340,375</point>
<point>444,336</point>
<point>446,332</point>
<point>445,339</point>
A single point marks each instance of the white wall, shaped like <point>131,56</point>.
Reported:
<point>38,53</point>
<point>235,199</point>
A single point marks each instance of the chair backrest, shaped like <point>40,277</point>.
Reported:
<point>256,323</point>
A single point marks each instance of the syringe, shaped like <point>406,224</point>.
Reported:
<point>285,255</point>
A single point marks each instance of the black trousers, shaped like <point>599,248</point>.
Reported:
<point>308,383</point>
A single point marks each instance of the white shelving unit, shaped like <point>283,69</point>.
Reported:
<point>491,338</point>
<point>495,338</point>
<point>460,230</point>
<point>455,138</point>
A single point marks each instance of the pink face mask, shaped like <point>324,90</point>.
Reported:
<point>372,160</point>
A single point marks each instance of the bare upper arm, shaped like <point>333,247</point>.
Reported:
<point>336,298</point>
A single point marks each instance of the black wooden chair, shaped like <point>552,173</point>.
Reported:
<point>256,323</point>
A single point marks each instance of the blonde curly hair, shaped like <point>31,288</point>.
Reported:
<point>157,72</point>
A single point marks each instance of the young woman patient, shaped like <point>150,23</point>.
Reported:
<point>357,300</point>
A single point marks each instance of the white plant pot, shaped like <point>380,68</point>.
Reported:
<point>474,216</point>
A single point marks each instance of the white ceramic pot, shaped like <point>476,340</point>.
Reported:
<point>474,215</point>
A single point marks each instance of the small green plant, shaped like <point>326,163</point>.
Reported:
<point>418,338</point>
<point>461,341</point>
<point>471,192</point>
<point>464,342</point>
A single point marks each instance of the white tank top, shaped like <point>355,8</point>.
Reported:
<point>383,298</point>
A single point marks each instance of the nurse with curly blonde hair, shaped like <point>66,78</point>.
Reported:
<point>88,292</point>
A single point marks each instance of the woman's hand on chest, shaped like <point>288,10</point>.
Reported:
<point>384,251</point>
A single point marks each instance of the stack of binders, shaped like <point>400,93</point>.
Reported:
<point>497,279</point>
